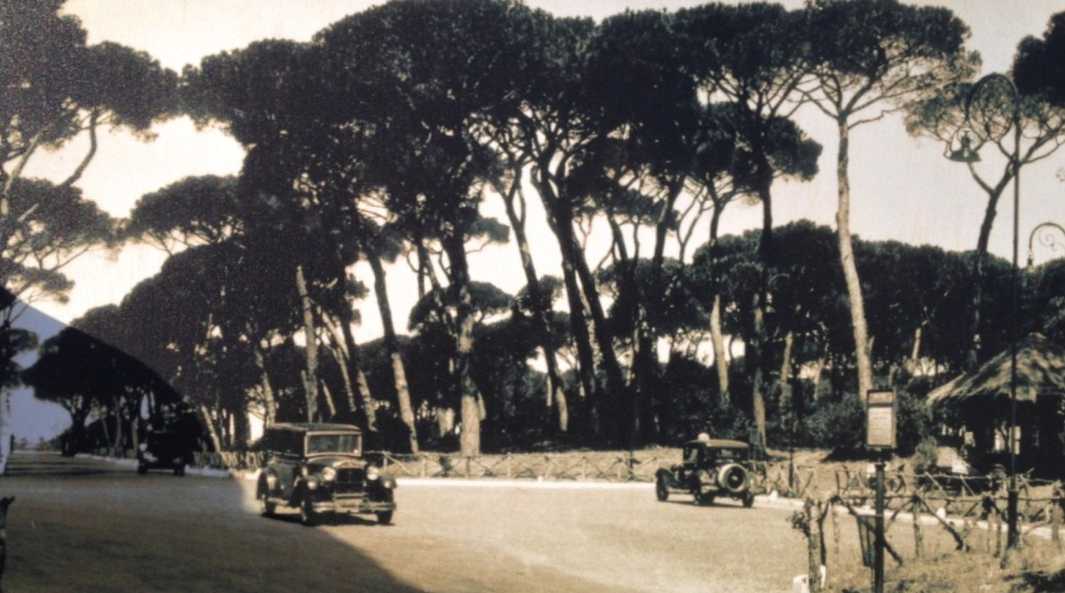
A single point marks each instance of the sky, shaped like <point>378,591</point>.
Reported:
<point>902,187</point>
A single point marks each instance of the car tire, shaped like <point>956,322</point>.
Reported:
<point>384,517</point>
<point>179,470</point>
<point>142,469</point>
<point>308,518</point>
<point>266,508</point>
<point>748,500</point>
<point>661,489</point>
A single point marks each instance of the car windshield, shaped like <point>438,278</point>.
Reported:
<point>333,443</point>
<point>731,454</point>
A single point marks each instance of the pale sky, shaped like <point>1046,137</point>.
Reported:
<point>903,188</point>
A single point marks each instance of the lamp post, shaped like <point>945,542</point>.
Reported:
<point>1050,241</point>
<point>968,154</point>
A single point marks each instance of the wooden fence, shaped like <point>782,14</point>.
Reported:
<point>970,509</point>
<point>569,466</point>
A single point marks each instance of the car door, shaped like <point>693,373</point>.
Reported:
<point>284,460</point>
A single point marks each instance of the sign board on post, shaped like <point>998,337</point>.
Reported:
<point>880,419</point>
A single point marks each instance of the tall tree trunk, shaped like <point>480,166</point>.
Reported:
<point>721,362</point>
<point>5,428</point>
<point>649,371</point>
<point>756,350</point>
<point>327,395</point>
<point>974,346</point>
<point>134,422</point>
<point>269,399</point>
<point>310,375</point>
<point>754,356</point>
<point>212,429</point>
<point>579,327</point>
<point>471,407</point>
<point>615,383</point>
<point>717,338</point>
<point>915,352</point>
<point>555,394</point>
<point>116,444</point>
<point>343,364</point>
<point>399,372</point>
<point>850,268</point>
<point>787,403</point>
<point>105,425</point>
<point>354,356</point>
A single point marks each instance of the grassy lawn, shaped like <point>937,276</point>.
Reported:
<point>1039,568</point>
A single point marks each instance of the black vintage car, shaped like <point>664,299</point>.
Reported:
<point>164,449</point>
<point>320,469</point>
<point>710,468</point>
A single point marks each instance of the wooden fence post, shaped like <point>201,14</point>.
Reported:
<point>918,539</point>
<point>1055,519</point>
<point>813,550</point>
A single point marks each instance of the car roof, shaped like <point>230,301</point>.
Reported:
<point>314,427</point>
<point>719,444</point>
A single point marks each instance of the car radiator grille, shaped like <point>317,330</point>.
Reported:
<point>350,480</point>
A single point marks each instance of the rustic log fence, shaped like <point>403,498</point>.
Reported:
<point>970,509</point>
<point>597,467</point>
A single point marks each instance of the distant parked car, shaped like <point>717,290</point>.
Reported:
<point>710,468</point>
<point>164,449</point>
<point>320,469</point>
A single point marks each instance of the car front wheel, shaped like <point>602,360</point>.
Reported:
<point>266,508</point>
<point>179,470</point>
<point>661,489</point>
<point>142,469</point>
<point>384,517</point>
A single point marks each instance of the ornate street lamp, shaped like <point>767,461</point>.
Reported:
<point>967,154</point>
<point>1045,239</point>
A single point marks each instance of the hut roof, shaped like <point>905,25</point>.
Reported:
<point>1040,369</point>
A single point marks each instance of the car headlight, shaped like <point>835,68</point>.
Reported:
<point>312,484</point>
<point>329,474</point>
<point>372,473</point>
<point>143,447</point>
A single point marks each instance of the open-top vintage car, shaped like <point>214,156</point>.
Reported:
<point>710,468</point>
<point>320,469</point>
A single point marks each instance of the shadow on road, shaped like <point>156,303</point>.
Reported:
<point>83,525</point>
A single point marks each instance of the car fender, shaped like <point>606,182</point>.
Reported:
<point>299,491</point>
<point>268,483</point>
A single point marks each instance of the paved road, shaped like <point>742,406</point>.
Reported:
<point>87,526</point>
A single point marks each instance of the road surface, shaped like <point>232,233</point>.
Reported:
<point>89,526</point>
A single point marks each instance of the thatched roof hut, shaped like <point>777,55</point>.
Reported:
<point>1040,371</point>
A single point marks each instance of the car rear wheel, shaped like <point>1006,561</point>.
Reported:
<point>384,517</point>
<point>308,517</point>
<point>661,489</point>
<point>142,469</point>
<point>179,470</point>
<point>748,500</point>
